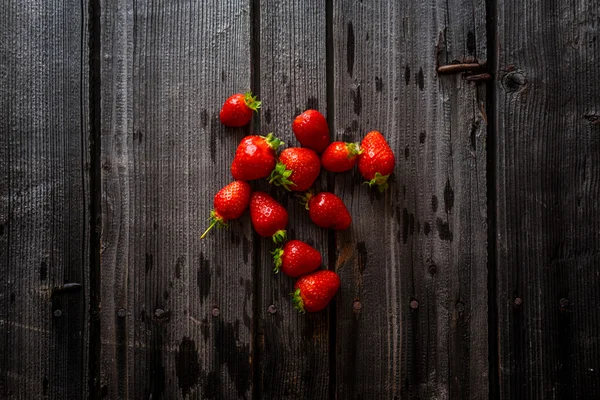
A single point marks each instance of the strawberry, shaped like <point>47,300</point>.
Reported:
<point>255,157</point>
<point>230,203</point>
<point>377,161</point>
<point>314,291</point>
<point>237,109</point>
<point>297,169</point>
<point>296,258</point>
<point>340,156</point>
<point>311,130</point>
<point>269,218</point>
<point>327,210</point>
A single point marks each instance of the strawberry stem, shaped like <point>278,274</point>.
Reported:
<point>380,181</point>
<point>273,141</point>
<point>280,236</point>
<point>353,149</point>
<point>305,198</point>
<point>277,254</point>
<point>279,176</point>
<point>297,301</point>
<point>251,101</point>
<point>215,220</point>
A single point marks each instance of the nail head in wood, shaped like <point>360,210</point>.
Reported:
<point>414,304</point>
<point>216,312</point>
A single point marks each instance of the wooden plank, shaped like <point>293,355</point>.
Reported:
<point>292,348</point>
<point>412,313</point>
<point>548,180</point>
<point>44,232</point>
<point>176,312</point>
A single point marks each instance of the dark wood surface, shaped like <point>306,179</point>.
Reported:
<point>44,231</point>
<point>548,169</point>
<point>475,276</point>
<point>413,265</point>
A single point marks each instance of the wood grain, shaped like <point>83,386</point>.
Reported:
<point>176,312</point>
<point>548,180</point>
<point>43,199</point>
<point>412,308</point>
<point>292,348</point>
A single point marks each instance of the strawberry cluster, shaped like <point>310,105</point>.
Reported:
<point>296,169</point>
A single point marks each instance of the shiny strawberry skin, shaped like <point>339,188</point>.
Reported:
<point>237,110</point>
<point>304,165</point>
<point>329,211</point>
<point>311,130</point>
<point>232,200</point>
<point>314,291</point>
<point>377,156</point>
<point>299,258</point>
<point>267,215</point>
<point>340,156</point>
<point>254,158</point>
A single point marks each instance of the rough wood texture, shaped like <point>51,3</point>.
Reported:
<point>43,199</point>
<point>176,312</point>
<point>412,319</point>
<point>548,180</point>
<point>292,348</point>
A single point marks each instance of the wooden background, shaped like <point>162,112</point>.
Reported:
<point>476,276</point>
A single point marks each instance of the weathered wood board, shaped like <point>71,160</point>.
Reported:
<point>292,349</point>
<point>411,315</point>
<point>548,186</point>
<point>44,230</point>
<point>176,311</point>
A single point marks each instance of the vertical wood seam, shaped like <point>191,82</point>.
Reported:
<point>256,248</point>
<point>493,356</point>
<point>331,242</point>
<point>94,46</point>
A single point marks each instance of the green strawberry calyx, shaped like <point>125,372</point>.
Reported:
<point>353,149</point>
<point>380,181</point>
<point>280,176</point>
<point>251,101</point>
<point>273,141</point>
<point>305,198</point>
<point>280,236</point>
<point>297,301</point>
<point>277,254</point>
<point>215,220</point>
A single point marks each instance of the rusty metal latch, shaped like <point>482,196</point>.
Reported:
<point>473,71</point>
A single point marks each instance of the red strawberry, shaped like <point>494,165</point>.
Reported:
<point>269,218</point>
<point>327,210</point>
<point>314,291</point>
<point>237,109</point>
<point>297,169</point>
<point>340,156</point>
<point>311,130</point>
<point>230,203</point>
<point>377,161</point>
<point>296,258</point>
<point>255,157</point>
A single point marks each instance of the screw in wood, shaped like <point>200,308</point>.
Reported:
<point>414,304</point>
<point>564,303</point>
<point>518,301</point>
<point>216,312</point>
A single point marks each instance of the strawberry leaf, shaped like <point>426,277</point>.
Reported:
<point>273,141</point>
<point>251,101</point>
<point>277,254</point>
<point>305,198</point>
<point>297,301</point>
<point>353,149</point>
<point>280,176</point>
<point>380,181</point>
<point>280,236</point>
